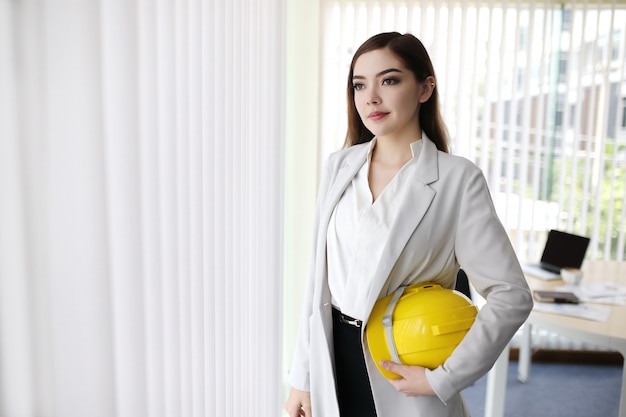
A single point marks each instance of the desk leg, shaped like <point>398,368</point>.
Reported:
<point>622,398</point>
<point>496,386</point>
<point>525,352</point>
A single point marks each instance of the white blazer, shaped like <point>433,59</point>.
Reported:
<point>447,221</point>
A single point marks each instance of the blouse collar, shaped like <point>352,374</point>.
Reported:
<point>416,147</point>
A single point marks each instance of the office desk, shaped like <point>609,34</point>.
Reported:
<point>610,334</point>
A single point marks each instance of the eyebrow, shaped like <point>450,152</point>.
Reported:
<point>387,71</point>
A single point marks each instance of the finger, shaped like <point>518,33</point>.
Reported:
<point>302,411</point>
<point>295,411</point>
<point>393,367</point>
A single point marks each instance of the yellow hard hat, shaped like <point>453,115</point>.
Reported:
<point>418,325</point>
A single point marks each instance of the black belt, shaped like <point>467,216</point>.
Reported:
<point>345,319</point>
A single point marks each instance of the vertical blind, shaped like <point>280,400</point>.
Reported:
<point>534,92</point>
<point>141,215</point>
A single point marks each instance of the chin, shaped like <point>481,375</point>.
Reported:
<point>377,131</point>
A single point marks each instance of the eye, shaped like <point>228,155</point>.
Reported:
<point>390,81</point>
<point>358,86</point>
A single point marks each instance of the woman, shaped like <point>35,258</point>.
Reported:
<point>394,208</point>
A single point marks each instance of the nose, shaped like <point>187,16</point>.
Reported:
<point>374,97</point>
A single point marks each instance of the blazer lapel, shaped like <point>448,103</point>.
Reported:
<point>345,173</point>
<point>411,212</point>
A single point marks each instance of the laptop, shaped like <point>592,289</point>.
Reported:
<point>562,250</point>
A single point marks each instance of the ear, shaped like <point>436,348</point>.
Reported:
<point>428,86</point>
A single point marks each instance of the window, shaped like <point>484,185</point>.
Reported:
<point>530,105</point>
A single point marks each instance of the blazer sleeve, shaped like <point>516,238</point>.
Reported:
<point>299,371</point>
<point>484,251</point>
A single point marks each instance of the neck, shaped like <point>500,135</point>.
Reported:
<point>393,152</point>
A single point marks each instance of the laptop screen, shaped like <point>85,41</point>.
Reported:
<point>563,250</point>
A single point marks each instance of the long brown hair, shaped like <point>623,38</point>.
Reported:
<point>413,54</point>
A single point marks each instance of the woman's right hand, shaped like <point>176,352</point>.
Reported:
<point>298,404</point>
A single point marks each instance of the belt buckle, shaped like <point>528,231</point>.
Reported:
<point>350,321</point>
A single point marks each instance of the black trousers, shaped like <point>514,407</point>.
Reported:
<point>353,385</point>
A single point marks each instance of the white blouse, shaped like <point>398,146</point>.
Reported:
<point>357,233</point>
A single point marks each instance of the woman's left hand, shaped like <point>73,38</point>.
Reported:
<point>413,382</point>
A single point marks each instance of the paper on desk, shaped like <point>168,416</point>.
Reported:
<point>598,292</point>
<point>583,311</point>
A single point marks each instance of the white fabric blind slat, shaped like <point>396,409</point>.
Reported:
<point>621,161</point>
<point>196,224</point>
<point>79,298</point>
<point>542,68</point>
<point>121,156</point>
<point>151,277</point>
<point>609,20</point>
<point>16,355</point>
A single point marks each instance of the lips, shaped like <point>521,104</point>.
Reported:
<point>376,115</point>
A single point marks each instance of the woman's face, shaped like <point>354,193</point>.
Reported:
<point>387,96</point>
